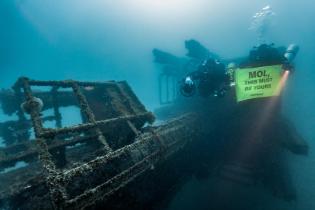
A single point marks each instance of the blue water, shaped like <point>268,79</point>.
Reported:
<point>113,39</point>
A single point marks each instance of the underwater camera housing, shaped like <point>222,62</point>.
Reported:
<point>188,87</point>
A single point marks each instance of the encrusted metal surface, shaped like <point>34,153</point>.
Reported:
<point>80,165</point>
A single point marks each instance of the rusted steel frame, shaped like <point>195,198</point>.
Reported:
<point>22,133</point>
<point>127,103</point>
<point>57,192</point>
<point>133,96</point>
<point>158,138</point>
<point>15,147</point>
<point>37,124</point>
<point>133,128</point>
<point>120,180</point>
<point>68,83</point>
<point>8,161</point>
<point>96,163</point>
<point>174,147</point>
<point>57,180</point>
<point>88,126</point>
<point>89,197</point>
<point>54,181</point>
<point>85,108</point>
<point>32,151</point>
<point>57,114</point>
<point>125,96</point>
<point>36,120</point>
<point>38,127</point>
<point>66,98</point>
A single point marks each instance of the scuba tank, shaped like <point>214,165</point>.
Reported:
<point>291,52</point>
<point>290,55</point>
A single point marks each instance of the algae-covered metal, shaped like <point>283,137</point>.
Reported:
<point>83,164</point>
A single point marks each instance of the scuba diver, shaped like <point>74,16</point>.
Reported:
<point>252,135</point>
<point>210,79</point>
<point>255,136</point>
<point>246,138</point>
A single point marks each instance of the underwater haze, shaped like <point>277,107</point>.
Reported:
<point>105,40</point>
<point>100,40</point>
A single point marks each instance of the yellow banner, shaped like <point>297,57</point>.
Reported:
<point>257,82</point>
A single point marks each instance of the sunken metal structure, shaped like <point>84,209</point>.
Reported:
<point>227,124</point>
<point>116,158</point>
<point>80,166</point>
